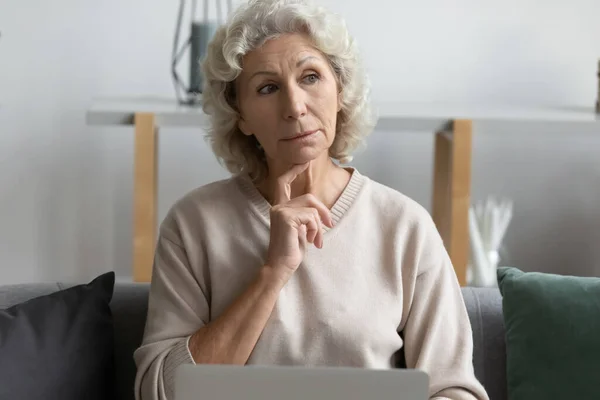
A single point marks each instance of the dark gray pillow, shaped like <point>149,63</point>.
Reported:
<point>59,346</point>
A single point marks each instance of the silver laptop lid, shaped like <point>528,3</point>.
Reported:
<point>228,382</point>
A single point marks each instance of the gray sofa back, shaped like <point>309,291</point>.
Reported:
<point>484,306</point>
<point>129,306</point>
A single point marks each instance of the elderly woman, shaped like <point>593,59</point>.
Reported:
<point>296,260</point>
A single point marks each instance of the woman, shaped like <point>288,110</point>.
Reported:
<point>296,260</point>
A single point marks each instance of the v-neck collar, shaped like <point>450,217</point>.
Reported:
<point>262,208</point>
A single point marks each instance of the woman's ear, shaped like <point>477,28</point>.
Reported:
<point>339,101</point>
<point>243,126</point>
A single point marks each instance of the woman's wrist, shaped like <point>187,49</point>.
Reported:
<point>273,278</point>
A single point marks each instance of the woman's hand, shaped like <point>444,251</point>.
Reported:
<point>294,223</point>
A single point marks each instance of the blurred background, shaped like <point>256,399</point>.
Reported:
<point>66,188</point>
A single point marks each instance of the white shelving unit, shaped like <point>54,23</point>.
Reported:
<point>451,123</point>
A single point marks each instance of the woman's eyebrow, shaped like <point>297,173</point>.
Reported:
<point>305,59</point>
<point>272,73</point>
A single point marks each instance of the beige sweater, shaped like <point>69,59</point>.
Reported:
<point>383,270</point>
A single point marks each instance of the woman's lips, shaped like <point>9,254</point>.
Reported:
<point>302,135</point>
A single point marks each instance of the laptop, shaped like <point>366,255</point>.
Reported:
<point>229,382</point>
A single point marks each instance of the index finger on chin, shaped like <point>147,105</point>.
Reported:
<point>282,186</point>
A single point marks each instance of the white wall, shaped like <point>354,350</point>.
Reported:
<point>65,188</point>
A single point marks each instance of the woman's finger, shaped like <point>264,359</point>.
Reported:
<point>309,200</point>
<point>308,218</point>
<point>283,189</point>
<point>302,236</point>
<point>314,232</point>
<point>312,229</point>
<point>319,238</point>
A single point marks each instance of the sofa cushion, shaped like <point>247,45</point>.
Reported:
<point>60,345</point>
<point>552,335</point>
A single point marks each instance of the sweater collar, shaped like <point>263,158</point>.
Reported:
<point>263,208</point>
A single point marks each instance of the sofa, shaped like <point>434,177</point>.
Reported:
<point>129,305</point>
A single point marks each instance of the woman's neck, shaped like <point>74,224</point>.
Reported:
<point>323,178</point>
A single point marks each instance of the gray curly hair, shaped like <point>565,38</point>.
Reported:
<point>248,28</point>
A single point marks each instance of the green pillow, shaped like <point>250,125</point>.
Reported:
<point>552,335</point>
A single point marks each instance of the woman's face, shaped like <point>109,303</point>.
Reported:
<point>288,98</point>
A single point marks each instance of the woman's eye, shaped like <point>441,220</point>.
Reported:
<point>270,88</point>
<point>312,78</point>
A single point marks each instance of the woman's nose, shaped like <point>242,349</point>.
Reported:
<point>295,106</point>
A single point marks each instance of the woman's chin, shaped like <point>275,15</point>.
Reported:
<point>305,155</point>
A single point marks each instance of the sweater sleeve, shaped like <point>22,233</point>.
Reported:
<point>437,331</point>
<point>177,307</point>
